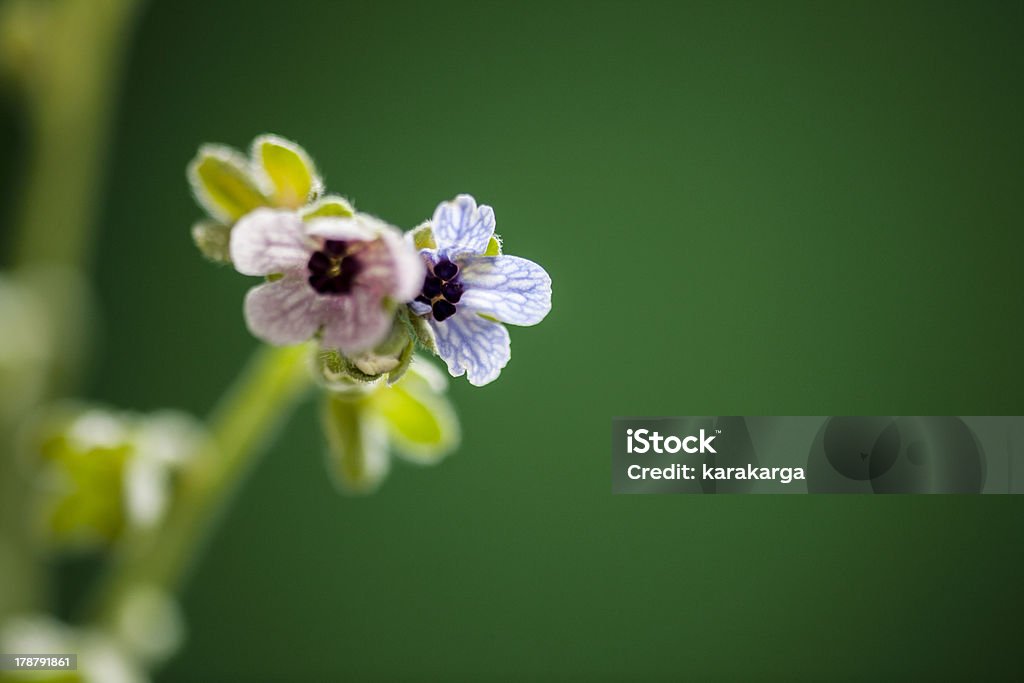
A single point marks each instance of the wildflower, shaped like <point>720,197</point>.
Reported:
<point>101,657</point>
<point>363,423</point>
<point>471,288</point>
<point>342,276</point>
<point>103,472</point>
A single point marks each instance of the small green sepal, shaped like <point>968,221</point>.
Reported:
<point>291,174</point>
<point>423,236</point>
<point>222,184</point>
<point>419,330</point>
<point>404,361</point>
<point>213,239</point>
<point>493,246</point>
<point>329,206</point>
<point>420,421</point>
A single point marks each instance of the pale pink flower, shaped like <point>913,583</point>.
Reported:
<point>340,276</point>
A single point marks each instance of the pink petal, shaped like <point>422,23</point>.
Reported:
<point>267,241</point>
<point>359,227</point>
<point>377,268</point>
<point>283,312</point>
<point>391,267</point>
<point>409,269</point>
<point>357,321</point>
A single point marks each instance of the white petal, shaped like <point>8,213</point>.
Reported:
<point>149,623</point>
<point>102,659</point>
<point>146,488</point>
<point>356,322</point>
<point>461,227</point>
<point>419,308</point>
<point>287,311</point>
<point>35,633</point>
<point>97,429</point>
<point>358,227</point>
<point>472,346</point>
<point>512,289</point>
<point>267,241</point>
<point>169,437</point>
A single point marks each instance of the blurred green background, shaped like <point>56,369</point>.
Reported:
<point>746,208</point>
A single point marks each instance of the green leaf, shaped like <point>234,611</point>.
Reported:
<point>213,240</point>
<point>420,420</point>
<point>493,247</point>
<point>222,184</point>
<point>329,206</point>
<point>289,169</point>
<point>423,236</point>
<point>357,444</point>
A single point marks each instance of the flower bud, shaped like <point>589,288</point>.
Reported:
<point>390,358</point>
<point>412,419</point>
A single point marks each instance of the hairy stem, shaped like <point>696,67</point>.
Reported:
<point>243,423</point>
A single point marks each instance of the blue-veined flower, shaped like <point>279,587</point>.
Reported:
<point>471,288</point>
<point>343,276</point>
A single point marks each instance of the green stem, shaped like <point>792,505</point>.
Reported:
<point>69,56</point>
<point>64,57</point>
<point>243,423</point>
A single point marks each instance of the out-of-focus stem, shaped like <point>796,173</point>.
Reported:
<point>63,57</point>
<point>241,426</point>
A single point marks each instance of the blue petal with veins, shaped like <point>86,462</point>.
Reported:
<point>473,346</point>
<point>512,289</point>
<point>461,227</point>
<point>503,288</point>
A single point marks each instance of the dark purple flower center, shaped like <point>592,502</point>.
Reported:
<point>333,269</point>
<point>442,290</point>
<point>445,269</point>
